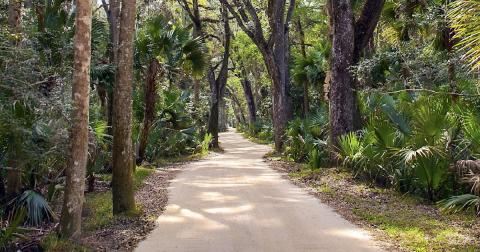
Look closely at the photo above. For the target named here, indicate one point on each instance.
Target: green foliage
(207, 139)
(172, 45)
(464, 16)
(173, 133)
(33, 204)
(460, 203)
(12, 230)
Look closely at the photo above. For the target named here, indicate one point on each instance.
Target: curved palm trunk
(149, 112)
(71, 219)
(123, 163)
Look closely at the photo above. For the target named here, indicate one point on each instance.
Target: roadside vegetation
(95, 93)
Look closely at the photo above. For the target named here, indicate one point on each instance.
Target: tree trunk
(342, 97)
(214, 103)
(349, 41)
(15, 18)
(303, 50)
(196, 93)
(217, 85)
(281, 109)
(247, 90)
(112, 10)
(239, 113)
(149, 112)
(123, 165)
(2, 186)
(222, 114)
(14, 174)
(71, 219)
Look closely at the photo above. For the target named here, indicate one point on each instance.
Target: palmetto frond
(464, 17)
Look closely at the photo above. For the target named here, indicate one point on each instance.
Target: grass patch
(99, 208)
(402, 220)
(163, 161)
(53, 243)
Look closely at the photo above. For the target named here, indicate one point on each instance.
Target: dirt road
(234, 202)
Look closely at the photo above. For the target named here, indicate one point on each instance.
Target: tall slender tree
(214, 80)
(123, 157)
(218, 82)
(71, 219)
(14, 175)
(112, 10)
(275, 52)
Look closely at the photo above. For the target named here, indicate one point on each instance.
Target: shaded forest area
(95, 94)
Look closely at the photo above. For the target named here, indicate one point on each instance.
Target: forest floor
(407, 223)
(233, 201)
(104, 232)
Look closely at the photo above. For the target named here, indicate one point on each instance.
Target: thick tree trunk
(123, 165)
(71, 219)
(149, 111)
(214, 103)
(349, 41)
(342, 97)
(281, 109)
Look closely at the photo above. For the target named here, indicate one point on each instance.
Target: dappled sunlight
(216, 197)
(174, 214)
(282, 199)
(350, 233)
(229, 210)
(234, 200)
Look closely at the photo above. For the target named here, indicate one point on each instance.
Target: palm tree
(166, 48)
(309, 70)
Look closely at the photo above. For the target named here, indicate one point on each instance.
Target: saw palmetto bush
(407, 145)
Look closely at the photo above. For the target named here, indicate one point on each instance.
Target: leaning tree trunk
(342, 97)
(123, 165)
(71, 219)
(149, 112)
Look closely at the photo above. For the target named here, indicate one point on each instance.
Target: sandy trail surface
(234, 201)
